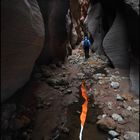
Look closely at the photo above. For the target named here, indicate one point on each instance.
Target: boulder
(22, 38)
(106, 124)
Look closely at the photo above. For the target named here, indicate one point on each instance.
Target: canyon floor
(48, 107)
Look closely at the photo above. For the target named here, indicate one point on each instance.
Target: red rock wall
(79, 12)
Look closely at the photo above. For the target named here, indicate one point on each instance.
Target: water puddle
(90, 130)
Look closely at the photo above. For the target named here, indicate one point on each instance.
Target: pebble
(109, 105)
(69, 91)
(76, 101)
(131, 135)
(117, 117)
(104, 115)
(136, 101)
(78, 112)
(119, 98)
(135, 109)
(113, 133)
(129, 108)
(117, 72)
(115, 85)
(99, 117)
(115, 139)
(80, 75)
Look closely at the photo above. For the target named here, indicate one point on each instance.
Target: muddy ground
(49, 106)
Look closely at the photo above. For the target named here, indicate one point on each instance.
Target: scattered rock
(115, 139)
(104, 115)
(48, 104)
(57, 81)
(117, 117)
(96, 93)
(115, 85)
(131, 135)
(136, 101)
(113, 133)
(69, 91)
(127, 96)
(80, 75)
(62, 88)
(135, 110)
(129, 108)
(126, 113)
(106, 124)
(117, 72)
(109, 105)
(119, 98)
(78, 112)
(63, 67)
(125, 105)
(99, 117)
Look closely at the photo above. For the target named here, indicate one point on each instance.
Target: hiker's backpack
(86, 43)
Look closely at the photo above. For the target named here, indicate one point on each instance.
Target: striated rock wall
(116, 43)
(119, 33)
(93, 22)
(22, 37)
(54, 14)
(78, 14)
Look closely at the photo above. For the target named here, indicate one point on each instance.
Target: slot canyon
(43, 68)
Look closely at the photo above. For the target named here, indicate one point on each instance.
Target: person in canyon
(86, 45)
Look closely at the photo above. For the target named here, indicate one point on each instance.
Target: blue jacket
(87, 40)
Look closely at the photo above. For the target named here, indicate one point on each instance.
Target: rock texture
(134, 4)
(93, 22)
(22, 37)
(78, 17)
(116, 43)
(114, 28)
(134, 76)
(54, 14)
(131, 136)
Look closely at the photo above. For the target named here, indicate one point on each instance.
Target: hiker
(86, 44)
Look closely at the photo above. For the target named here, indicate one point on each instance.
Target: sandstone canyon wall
(22, 37)
(114, 27)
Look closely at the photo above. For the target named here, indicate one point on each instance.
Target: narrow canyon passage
(50, 105)
(51, 89)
